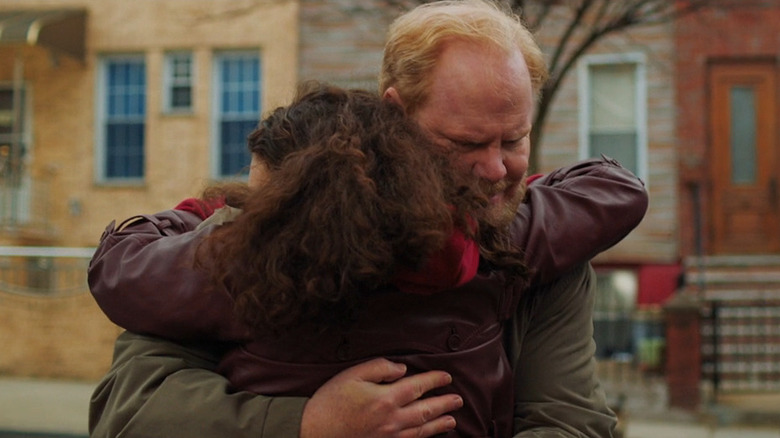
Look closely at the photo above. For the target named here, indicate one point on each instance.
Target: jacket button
(454, 341)
(342, 352)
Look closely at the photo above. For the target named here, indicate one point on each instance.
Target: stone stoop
(733, 277)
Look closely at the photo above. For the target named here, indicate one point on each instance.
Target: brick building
(728, 79)
(110, 109)
(727, 115)
(140, 114)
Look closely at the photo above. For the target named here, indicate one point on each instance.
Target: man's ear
(392, 95)
(258, 172)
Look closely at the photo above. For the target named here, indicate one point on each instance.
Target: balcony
(44, 271)
(24, 212)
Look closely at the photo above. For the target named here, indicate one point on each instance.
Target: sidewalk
(32, 406)
(658, 428)
(44, 406)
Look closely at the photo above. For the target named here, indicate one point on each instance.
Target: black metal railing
(741, 345)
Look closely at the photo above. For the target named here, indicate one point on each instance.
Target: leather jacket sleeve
(157, 388)
(551, 348)
(574, 213)
(142, 281)
(142, 277)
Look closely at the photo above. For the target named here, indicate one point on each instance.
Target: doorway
(743, 158)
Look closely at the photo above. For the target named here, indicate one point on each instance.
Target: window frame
(170, 81)
(640, 71)
(613, 320)
(217, 113)
(101, 118)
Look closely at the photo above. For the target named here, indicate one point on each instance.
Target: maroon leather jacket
(459, 331)
(145, 283)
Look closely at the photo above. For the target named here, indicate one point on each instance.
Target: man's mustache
(492, 189)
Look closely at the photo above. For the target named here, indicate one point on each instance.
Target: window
(613, 110)
(121, 109)
(236, 110)
(13, 146)
(15, 191)
(178, 82)
(744, 138)
(616, 297)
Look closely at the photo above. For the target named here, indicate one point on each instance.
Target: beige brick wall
(177, 146)
(656, 238)
(54, 337)
(68, 336)
(342, 42)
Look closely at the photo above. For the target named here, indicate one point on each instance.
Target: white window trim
(640, 60)
(168, 82)
(216, 87)
(100, 119)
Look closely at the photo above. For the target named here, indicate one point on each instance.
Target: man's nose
(490, 164)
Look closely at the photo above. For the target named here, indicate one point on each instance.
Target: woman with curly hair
(362, 202)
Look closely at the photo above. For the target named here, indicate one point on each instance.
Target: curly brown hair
(355, 191)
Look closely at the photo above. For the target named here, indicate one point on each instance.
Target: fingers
(404, 390)
(430, 413)
(374, 399)
(409, 389)
(375, 371)
(440, 425)
(428, 417)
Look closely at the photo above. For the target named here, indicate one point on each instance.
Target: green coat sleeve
(557, 393)
(161, 389)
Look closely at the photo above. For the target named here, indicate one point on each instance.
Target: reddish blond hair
(416, 39)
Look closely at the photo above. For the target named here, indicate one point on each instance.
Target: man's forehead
(478, 132)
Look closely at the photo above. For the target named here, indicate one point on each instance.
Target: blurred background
(111, 109)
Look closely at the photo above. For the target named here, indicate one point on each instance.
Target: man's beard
(501, 216)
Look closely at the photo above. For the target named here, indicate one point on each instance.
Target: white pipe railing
(46, 251)
(44, 270)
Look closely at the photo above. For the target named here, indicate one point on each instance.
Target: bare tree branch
(533, 14)
(588, 22)
(575, 22)
(236, 11)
